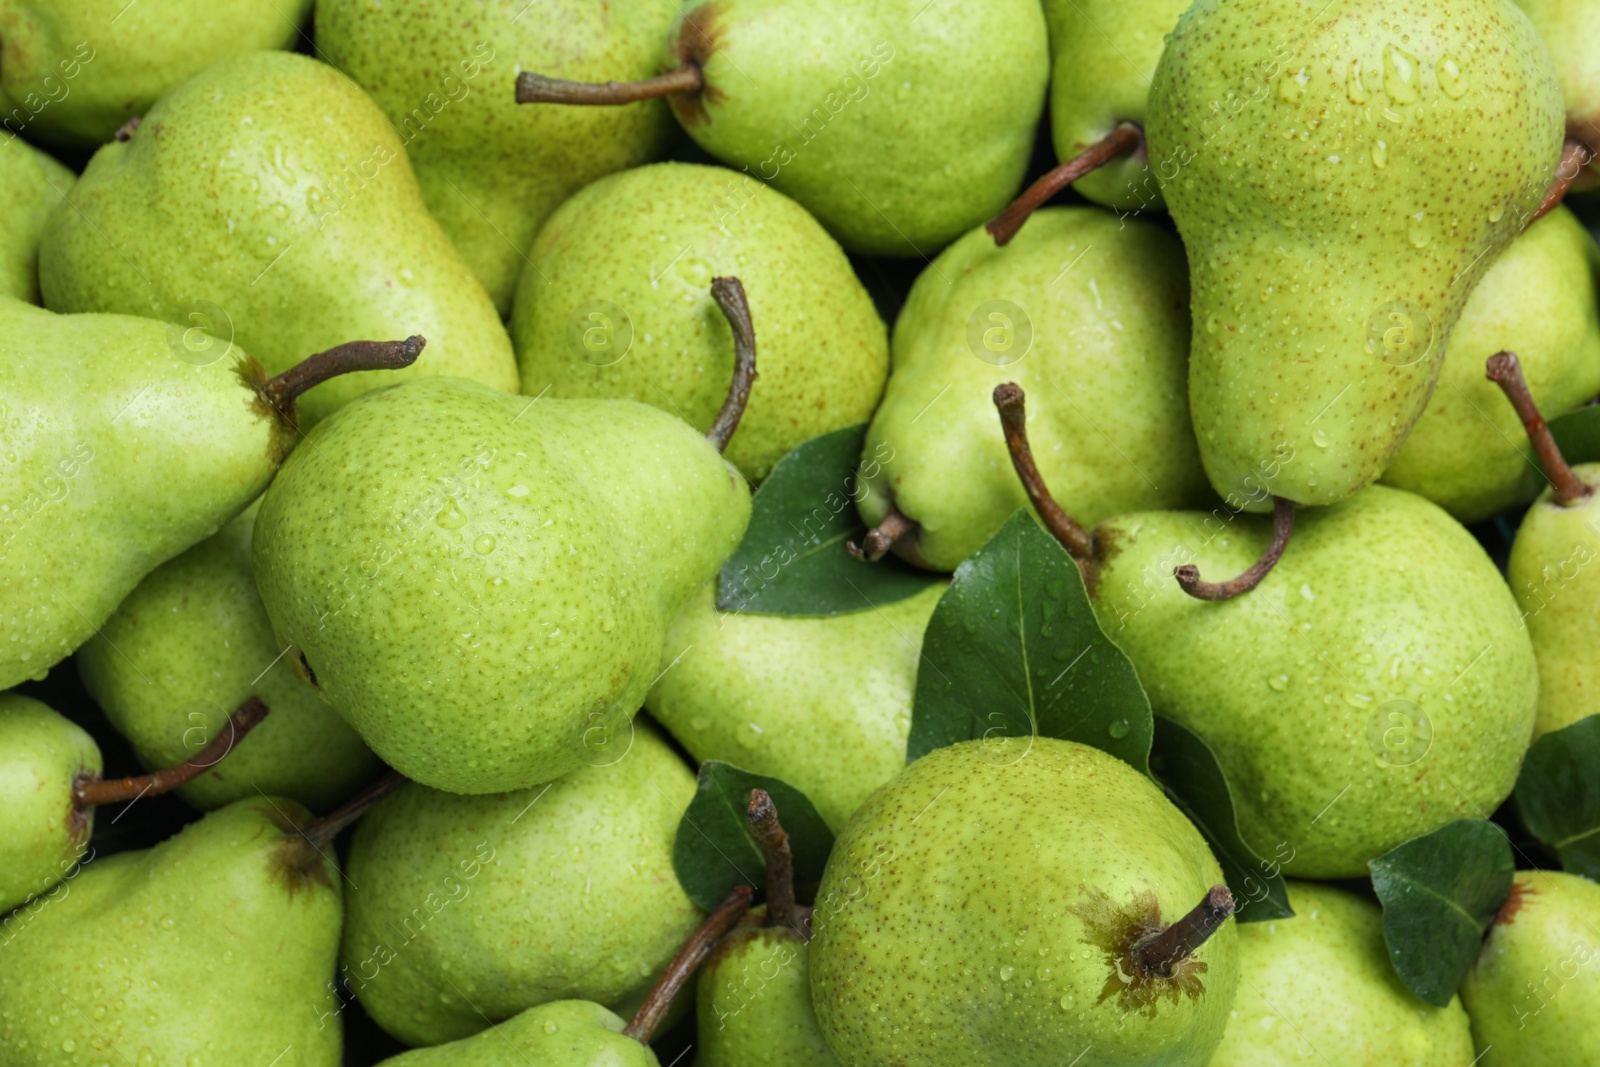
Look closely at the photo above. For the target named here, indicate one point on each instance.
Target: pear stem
(283, 391)
(1004, 226)
(1188, 575)
(648, 1018)
(1161, 953)
(537, 89)
(125, 131)
(730, 297)
(1011, 402)
(762, 818)
(89, 791)
(1575, 155)
(876, 544)
(327, 828)
(1505, 370)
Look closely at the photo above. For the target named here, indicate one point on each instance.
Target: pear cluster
(417, 523)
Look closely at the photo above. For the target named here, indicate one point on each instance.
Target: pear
(474, 908)
(614, 305)
(1318, 987)
(1013, 904)
(296, 225)
(900, 125)
(72, 72)
(115, 417)
(823, 704)
(30, 184)
(1329, 270)
(1569, 27)
(193, 642)
(490, 171)
(563, 1033)
(1532, 994)
(1467, 453)
(1090, 310)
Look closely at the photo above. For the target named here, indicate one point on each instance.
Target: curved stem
(762, 818)
(876, 544)
(89, 791)
(1125, 138)
(537, 89)
(1575, 155)
(1282, 527)
(729, 295)
(282, 392)
(125, 131)
(1505, 370)
(1160, 953)
(693, 953)
(327, 828)
(1011, 401)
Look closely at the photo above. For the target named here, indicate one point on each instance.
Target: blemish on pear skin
(1515, 902)
(1116, 930)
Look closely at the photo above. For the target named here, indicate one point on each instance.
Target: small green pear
(1569, 28)
(1319, 988)
(42, 756)
(1533, 992)
(822, 703)
(192, 643)
(1467, 452)
(268, 202)
(73, 71)
(492, 171)
(563, 1033)
(1087, 310)
(1019, 904)
(31, 182)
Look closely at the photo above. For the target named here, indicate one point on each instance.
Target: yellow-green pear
(31, 182)
(562, 1033)
(42, 756)
(1568, 28)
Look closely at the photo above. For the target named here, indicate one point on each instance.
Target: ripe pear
(1329, 269)
(563, 1033)
(824, 704)
(213, 947)
(474, 908)
(754, 1001)
(1569, 28)
(42, 755)
(1319, 988)
(1090, 312)
(1010, 904)
(30, 184)
(1533, 992)
(192, 643)
(1467, 452)
(73, 71)
(491, 171)
(614, 305)
(267, 201)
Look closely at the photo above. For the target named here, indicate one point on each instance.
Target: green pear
(215, 946)
(491, 171)
(1089, 309)
(613, 305)
(296, 225)
(473, 908)
(1319, 988)
(73, 71)
(192, 643)
(1569, 28)
(563, 1033)
(1009, 904)
(824, 704)
(42, 756)
(754, 1001)
(899, 124)
(480, 584)
(1532, 994)
(1467, 452)
(30, 184)
(1301, 157)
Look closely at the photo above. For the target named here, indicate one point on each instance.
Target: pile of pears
(385, 387)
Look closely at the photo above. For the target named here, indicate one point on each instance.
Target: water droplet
(1353, 87)
(1292, 86)
(68, 1045)
(1066, 1002)
(1119, 729)
(1043, 973)
(1006, 973)
(1380, 153)
(699, 722)
(1320, 438)
(451, 517)
(1279, 682)
(1419, 230)
(1452, 79)
(750, 736)
(903, 92)
(483, 545)
(1358, 700)
(517, 492)
(1497, 213)
(1400, 75)
(551, 1028)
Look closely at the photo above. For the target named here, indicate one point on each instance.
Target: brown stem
(1282, 527)
(327, 828)
(282, 392)
(1011, 401)
(876, 544)
(1160, 953)
(1575, 156)
(125, 131)
(1505, 370)
(729, 295)
(694, 951)
(537, 89)
(89, 791)
(762, 818)
(1004, 226)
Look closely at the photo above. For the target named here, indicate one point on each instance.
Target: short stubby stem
(1505, 370)
(688, 960)
(90, 792)
(1161, 953)
(1125, 138)
(1011, 402)
(730, 297)
(537, 89)
(762, 817)
(1188, 576)
(882, 537)
(1575, 155)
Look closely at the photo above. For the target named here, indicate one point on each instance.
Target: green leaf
(1558, 794)
(1439, 893)
(1578, 434)
(1189, 772)
(793, 560)
(714, 851)
(1013, 651)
